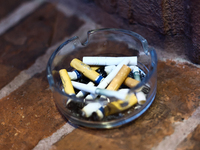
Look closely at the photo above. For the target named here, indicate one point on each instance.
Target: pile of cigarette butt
(99, 80)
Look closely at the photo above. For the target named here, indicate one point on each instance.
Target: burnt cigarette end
(146, 89)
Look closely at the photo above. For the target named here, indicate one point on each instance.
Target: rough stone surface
(31, 38)
(8, 6)
(174, 102)
(168, 35)
(163, 18)
(192, 142)
(28, 115)
(194, 52)
(137, 12)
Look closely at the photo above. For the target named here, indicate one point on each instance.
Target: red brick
(7, 74)
(28, 114)
(177, 98)
(24, 43)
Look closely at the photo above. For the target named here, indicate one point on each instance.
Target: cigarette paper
(86, 70)
(104, 61)
(67, 85)
(125, 90)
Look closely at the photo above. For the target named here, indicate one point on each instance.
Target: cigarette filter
(120, 105)
(119, 78)
(130, 82)
(86, 70)
(103, 61)
(66, 82)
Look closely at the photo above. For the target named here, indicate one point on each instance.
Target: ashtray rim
(120, 121)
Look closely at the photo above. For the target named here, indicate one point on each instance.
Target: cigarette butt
(136, 73)
(120, 105)
(130, 82)
(83, 93)
(141, 97)
(119, 78)
(90, 108)
(108, 60)
(99, 114)
(67, 85)
(86, 70)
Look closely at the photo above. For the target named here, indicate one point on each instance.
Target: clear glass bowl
(103, 42)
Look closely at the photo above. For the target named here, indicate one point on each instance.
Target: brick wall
(31, 30)
(174, 20)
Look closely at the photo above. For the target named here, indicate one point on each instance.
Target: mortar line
(40, 64)
(37, 67)
(46, 144)
(67, 11)
(18, 14)
(181, 131)
(180, 59)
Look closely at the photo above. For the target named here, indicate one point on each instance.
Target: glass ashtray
(108, 42)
